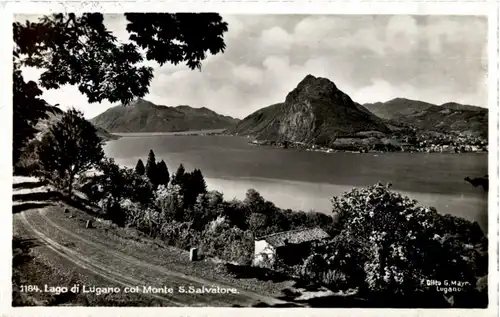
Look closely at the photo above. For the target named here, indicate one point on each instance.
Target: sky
(372, 58)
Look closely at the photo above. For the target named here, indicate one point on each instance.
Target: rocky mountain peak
(313, 88)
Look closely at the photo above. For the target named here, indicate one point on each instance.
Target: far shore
(170, 133)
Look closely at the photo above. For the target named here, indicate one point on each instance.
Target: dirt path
(96, 254)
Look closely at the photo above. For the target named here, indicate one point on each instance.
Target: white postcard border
(488, 8)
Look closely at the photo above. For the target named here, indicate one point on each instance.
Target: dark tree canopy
(151, 168)
(193, 185)
(139, 168)
(28, 109)
(163, 175)
(70, 147)
(179, 176)
(79, 50)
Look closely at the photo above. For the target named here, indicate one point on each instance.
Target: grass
(136, 244)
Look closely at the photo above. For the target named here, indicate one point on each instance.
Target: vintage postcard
(232, 156)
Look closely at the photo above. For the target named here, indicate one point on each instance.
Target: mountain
(55, 114)
(315, 112)
(144, 116)
(447, 118)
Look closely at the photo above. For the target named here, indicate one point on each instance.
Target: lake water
(307, 180)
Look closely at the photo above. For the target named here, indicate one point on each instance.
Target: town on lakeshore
(427, 143)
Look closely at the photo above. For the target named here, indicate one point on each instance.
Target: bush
(28, 163)
(170, 202)
(208, 206)
(180, 235)
(400, 244)
(228, 243)
(115, 187)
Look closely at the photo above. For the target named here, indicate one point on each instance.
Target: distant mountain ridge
(144, 116)
(449, 117)
(315, 112)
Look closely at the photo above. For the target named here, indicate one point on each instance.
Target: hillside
(315, 112)
(144, 116)
(54, 114)
(448, 118)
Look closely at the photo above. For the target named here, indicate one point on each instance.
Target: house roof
(295, 237)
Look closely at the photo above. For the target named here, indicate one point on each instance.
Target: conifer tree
(139, 168)
(179, 177)
(162, 173)
(151, 168)
(194, 184)
(198, 182)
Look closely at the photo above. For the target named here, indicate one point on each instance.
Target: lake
(307, 180)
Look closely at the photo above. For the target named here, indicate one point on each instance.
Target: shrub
(28, 163)
(208, 206)
(228, 243)
(170, 202)
(399, 243)
(115, 186)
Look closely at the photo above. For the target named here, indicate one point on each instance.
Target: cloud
(248, 74)
(275, 40)
(371, 58)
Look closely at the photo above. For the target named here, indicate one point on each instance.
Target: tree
(169, 200)
(80, 50)
(255, 201)
(163, 175)
(70, 147)
(179, 176)
(151, 170)
(194, 185)
(139, 168)
(401, 243)
(110, 188)
(198, 182)
(28, 109)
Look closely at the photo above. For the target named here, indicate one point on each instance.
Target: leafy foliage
(79, 50)
(70, 147)
(176, 38)
(170, 202)
(28, 110)
(398, 244)
(114, 184)
(227, 242)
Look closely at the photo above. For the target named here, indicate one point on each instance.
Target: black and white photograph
(204, 159)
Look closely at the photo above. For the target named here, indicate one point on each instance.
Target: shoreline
(389, 148)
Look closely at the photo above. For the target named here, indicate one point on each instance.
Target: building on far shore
(291, 247)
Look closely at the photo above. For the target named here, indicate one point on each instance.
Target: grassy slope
(144, 116)
(449, 117)
(41, 265)
(259, 121)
